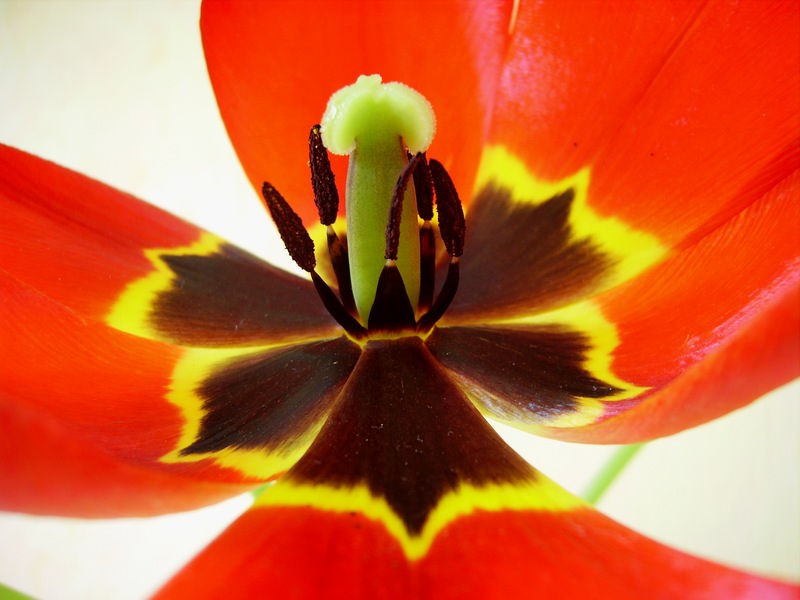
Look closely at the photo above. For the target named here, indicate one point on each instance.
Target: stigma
(385, 267)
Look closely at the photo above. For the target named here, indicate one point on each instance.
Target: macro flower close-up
(575, 219)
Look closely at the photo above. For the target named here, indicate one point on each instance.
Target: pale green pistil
(377, 125)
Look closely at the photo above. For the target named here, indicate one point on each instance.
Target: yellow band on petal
(260, 464)
(631, 251)
(587, 318)
(540, 494)
(133, 309)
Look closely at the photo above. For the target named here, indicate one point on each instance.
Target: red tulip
(629, 271)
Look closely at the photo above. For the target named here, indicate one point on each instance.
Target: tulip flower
(627, 268)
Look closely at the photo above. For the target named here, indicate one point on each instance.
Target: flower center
(386, 268)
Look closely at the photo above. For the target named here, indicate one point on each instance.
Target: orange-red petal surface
(760, 356)
(76, 240)
(108, 384)
(676, 313)
(274, 65)
(100, 393)
(83, 244)
(685, 112)
(302, 553)
(48, 470)
(638, 337)
(712, 328)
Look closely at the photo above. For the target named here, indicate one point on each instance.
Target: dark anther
(341, 267)
(423, 184)
(396, 208)
(392, 310)
(295, 237)
(301, 248)
(326, 196)
(452, 226)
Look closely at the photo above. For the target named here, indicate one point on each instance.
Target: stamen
(301, 248)
(443, 300)
(335, 308)
(392, 310)
(295, 237)
(379, 126)
(423, 185)
(452, 228)
(452, 225)
(396, 208)
(376, 124)
(341, 267)
(326, 196)
(427, 265)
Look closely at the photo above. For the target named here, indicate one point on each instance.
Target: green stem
(611, 470)
(7, 593)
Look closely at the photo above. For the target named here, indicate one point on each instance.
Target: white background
(118, 90)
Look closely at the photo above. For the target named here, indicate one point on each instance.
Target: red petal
(712, 328)
(85, 419)
(685, 112)
(761, 356)
(274, 65)
(305, 553)
(49, 470)
(76, 240)
(83, 244)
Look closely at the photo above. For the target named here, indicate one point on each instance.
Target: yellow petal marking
(131, 314)
(131, 311)
(587, 318)
(538, 494)
(194, 368)
(631, 251)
